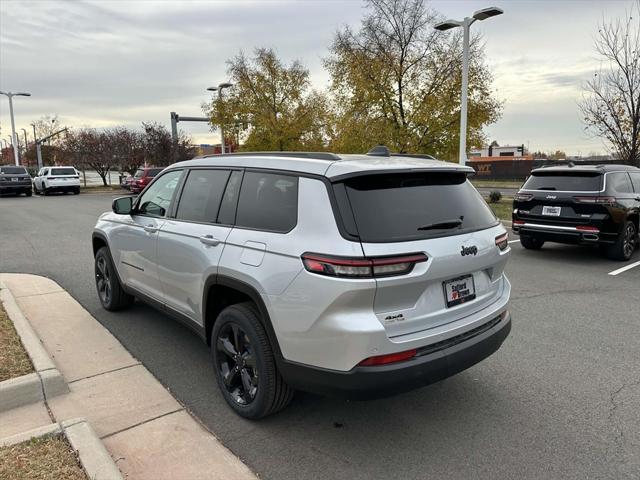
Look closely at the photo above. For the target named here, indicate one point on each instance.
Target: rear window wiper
(447, 224)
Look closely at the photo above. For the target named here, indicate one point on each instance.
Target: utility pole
(14, 138)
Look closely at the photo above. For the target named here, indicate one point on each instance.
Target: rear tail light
(596, 200)
(523, 197)
(502, 241)
(587, 228)
(389, 358)
(518, 222)
(361, 267)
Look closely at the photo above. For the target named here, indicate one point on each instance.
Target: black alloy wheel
(103, 280)
(237, 363)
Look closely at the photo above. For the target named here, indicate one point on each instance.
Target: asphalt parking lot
(560, 399)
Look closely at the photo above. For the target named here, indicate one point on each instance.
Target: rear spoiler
(468, 171)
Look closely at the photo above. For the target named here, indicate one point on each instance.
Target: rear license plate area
(459, 290)
(551, 211)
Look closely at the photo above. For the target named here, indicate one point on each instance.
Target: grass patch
(503, 208)
(14, 361)
(487, 183)
(48, 458)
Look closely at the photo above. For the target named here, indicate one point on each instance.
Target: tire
(531, 243)
(35, 189)
(76, 191)
(626, 243)
(239, 343)
(28, 193)
(45, 191)
(110, 292)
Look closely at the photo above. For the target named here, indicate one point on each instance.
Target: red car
(143, 177)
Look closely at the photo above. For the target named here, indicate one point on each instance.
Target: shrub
(495, 196)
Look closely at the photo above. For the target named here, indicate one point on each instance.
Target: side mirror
(122, 205)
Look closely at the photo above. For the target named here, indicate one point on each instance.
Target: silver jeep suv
(353, 275)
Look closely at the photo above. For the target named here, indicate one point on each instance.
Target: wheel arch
(221, 291)
(98, 240)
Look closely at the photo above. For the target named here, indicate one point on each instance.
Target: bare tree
(611, 105)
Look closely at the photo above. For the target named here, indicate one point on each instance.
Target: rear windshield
(153, 172)
(411, 206)
(63, 171)
(138, 173)
(13, 170)
(564, 181)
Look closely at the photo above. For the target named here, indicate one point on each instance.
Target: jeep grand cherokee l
(587, 205)
(352, 275)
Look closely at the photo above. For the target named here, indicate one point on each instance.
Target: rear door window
(201, 195)
(268, 202)
(565, 181)
(415, 205)
(619, 182)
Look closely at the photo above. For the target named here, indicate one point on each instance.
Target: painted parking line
(624, 269)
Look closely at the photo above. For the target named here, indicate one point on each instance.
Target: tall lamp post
(14, 140)
(219, 90)
(466, 26)
(26, 143)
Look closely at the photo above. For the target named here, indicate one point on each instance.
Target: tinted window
(157, 198)
(227, 215)
(201, 195)
(152, 172)
(138, 173)
(63, 171)
(268, 202)
(635, 178)
(13, 170)
(411, 206)
(565, 181)
(619, 182)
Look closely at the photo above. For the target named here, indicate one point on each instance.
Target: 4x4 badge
(473, 250)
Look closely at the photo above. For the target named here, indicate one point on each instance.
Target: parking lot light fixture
(219, 89)
(479, 15)
(14, 139)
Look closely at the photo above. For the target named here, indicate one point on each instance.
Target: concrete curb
(96, 461)
(46, 382)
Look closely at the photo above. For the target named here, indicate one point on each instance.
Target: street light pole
(14, 140)
(26, 142)
(219, 90)
(466, 28)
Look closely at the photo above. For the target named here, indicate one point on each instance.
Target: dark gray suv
(14, 179)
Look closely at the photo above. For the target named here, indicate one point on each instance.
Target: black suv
(14, 179)
(587, 205)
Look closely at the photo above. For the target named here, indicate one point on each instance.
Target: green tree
(397, 81)
(271, 106)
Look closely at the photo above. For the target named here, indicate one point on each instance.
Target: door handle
(209, 240)
(151, 228)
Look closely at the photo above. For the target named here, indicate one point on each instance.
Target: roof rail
(415, 155)
(313, 155)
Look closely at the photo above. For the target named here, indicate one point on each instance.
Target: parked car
(586, 205)
(14, 179)
(142, 178)
(57, 179)
(348, 275)
(127, 181)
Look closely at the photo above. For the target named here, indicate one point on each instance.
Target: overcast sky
(114, 62)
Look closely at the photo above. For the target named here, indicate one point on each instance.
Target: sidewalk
(146, 431)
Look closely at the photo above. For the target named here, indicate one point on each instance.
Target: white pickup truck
(57, 179)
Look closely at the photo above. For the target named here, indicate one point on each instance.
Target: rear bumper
(433, 363)
(563, 234)
(7, 187)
